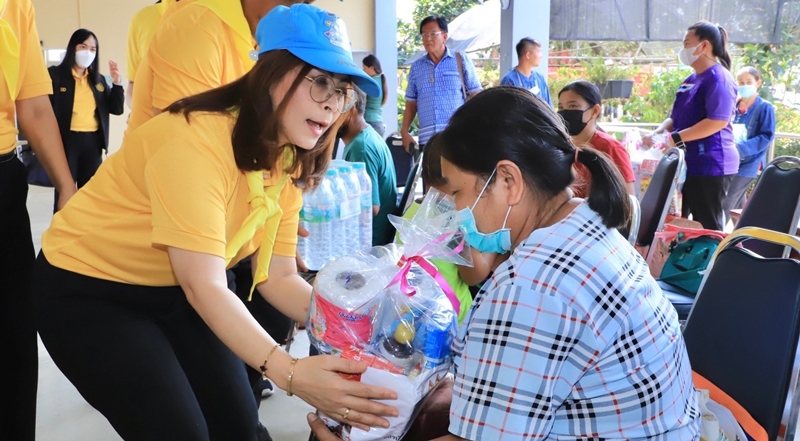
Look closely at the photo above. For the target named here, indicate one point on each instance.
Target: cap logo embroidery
(100, 87)
(337, 32)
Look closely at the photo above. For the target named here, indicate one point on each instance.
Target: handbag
(36, 173)
(688, 261)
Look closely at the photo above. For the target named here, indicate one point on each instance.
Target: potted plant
(614, 81)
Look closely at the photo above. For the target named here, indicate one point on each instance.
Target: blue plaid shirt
(437, 91)
(573, 339)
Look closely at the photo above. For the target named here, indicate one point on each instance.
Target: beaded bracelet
(263, 367)
(291, 374)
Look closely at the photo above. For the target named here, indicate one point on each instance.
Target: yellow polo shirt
(32, 79)
(84, 117)
(141, 30)
(200, 46)
(172, 183)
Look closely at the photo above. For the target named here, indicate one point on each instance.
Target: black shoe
(263, 433)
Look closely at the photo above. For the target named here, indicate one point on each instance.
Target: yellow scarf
(9, 53)
(231, 13)
(266, 212)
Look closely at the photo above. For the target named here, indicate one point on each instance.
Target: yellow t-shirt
(171, 184)
(84, 106)
(141, 30)
(200, 46)
(33, 79)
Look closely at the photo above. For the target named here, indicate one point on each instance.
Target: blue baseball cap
(315, 36)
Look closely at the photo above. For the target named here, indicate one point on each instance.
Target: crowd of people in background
(144, 275)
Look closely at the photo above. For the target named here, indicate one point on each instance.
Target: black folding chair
(656, 200)
(774, 204)
(742, 332)
(406, 197)
(631, 230)
(403, 162)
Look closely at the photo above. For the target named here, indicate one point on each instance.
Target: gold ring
(346, 412)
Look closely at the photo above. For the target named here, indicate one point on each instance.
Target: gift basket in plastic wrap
(645, 160)
(391, 309)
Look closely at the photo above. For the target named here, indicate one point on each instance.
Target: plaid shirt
(437, 91)
(572, 338)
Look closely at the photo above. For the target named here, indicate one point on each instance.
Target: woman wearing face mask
(82, 101)
(134, 304)
(573, 320)
(757, 119)
(373, 115)
(579, 103)
(701, 123)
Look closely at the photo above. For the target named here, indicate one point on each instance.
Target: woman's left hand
(114, 68)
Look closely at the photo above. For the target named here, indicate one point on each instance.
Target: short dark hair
(587, 90)
(432, 163)
(525, 44)
(752, 71)
(509, 123)
(434, 18)
(257, 119)
(361, 101)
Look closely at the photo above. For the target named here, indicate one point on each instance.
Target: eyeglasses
(324, 87)
(427, 35)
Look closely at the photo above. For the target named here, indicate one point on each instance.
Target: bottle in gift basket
(338, 233)
(350, 206)
(319, 211)
(365, 218)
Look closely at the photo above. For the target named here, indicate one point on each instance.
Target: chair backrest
(403, 162)
(407, 197)
(631, 230)
(656, 200)
(742, 332)
(774, 204)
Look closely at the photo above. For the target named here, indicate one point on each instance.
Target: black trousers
(144, 358)
(84, 152)
(19, 361)
(702, 198)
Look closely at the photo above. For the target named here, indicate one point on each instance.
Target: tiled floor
(63, 415)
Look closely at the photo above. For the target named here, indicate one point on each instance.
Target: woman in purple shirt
(700, 123)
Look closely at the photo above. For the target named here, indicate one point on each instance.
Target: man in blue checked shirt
(529, 52)
(435, 85)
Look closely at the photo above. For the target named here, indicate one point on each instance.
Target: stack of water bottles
(337, 215)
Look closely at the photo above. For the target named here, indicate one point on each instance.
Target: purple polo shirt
(711, 94)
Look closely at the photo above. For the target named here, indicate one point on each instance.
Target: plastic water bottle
(365, 218)
(303, 242)
(319, 210)
(350, 206)
(338, 234)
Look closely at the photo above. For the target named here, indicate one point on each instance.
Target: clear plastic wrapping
(391, 309)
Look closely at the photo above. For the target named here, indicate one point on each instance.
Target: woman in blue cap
(135, 308)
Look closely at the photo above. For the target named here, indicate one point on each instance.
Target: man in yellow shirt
(24, 86)
(140, 32)
(198, 47)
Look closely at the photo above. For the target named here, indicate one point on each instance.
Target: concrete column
(524, 18)
(386, 51)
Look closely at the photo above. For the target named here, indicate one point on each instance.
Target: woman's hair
(508, 123)
(68, 62)
(717, 36)
(588, 91)
(752, 71)
(432, 163)
(258, 120)
(373, 62)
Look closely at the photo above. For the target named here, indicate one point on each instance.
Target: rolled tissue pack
(391, 309)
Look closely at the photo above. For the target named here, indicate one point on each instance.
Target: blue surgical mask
(498, 242)
(747, 91)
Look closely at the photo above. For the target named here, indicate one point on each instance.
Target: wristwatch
(676, 139)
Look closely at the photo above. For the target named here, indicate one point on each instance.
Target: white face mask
(686, 55)
(84, 58)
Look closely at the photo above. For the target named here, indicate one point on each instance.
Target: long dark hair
(373, 62)
(68, 62)
(255, 132)
(509, 123)
(717, 36)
